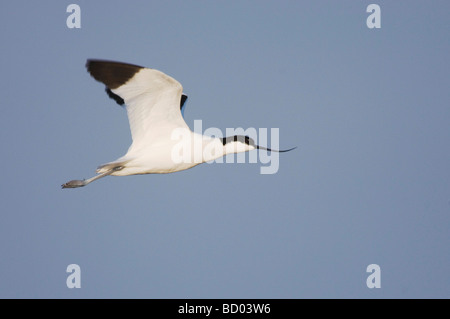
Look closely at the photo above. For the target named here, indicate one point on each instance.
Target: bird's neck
(207, 148)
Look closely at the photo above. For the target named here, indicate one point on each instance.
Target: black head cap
(238, 138)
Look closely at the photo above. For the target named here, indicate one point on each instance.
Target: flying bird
(162, 141)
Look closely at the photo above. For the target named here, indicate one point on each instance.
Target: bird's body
(162, 141)
(158, 157)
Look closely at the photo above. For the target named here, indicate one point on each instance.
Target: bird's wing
(153, 99)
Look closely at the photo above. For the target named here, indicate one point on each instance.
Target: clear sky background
(369, 183)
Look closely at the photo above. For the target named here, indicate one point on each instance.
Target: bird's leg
(80, 183)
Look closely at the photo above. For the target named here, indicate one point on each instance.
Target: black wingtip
(111, 73)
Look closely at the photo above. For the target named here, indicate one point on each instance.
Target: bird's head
(238, 144)
(243, 143)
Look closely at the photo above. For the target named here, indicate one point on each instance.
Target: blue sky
(369, 182)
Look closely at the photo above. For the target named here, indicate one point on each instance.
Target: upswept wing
(152, 98)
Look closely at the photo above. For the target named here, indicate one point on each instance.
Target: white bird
(155, 102)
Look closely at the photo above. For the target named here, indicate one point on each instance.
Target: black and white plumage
(162, 141)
